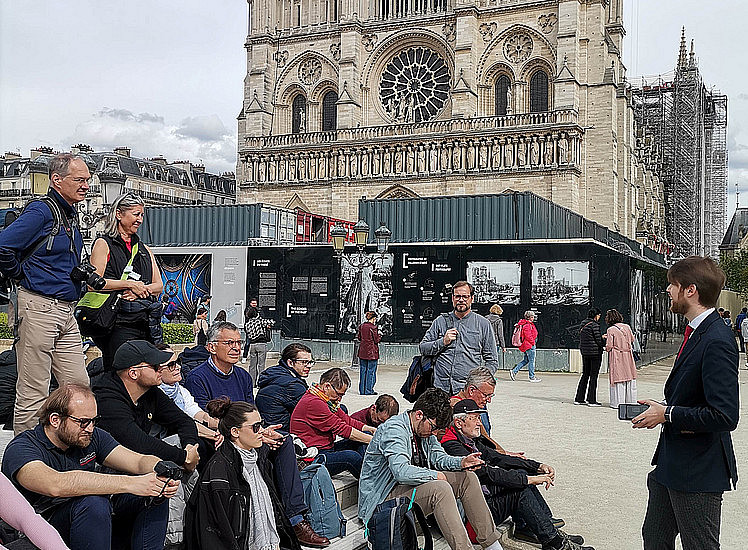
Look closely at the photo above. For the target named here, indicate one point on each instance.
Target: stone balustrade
(516, 143)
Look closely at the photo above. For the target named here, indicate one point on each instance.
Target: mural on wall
(495, 282)
(186, 279)
(371, 285)
(560, 283)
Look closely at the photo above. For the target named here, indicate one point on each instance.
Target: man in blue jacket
(48, 337)
(694, 460)
(282, 385)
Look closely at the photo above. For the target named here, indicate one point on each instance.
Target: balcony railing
(454, 126)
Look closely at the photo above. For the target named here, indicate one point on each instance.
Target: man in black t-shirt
(54, 467)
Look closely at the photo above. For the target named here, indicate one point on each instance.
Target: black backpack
(392, 526)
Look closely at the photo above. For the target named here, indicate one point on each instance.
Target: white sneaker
(512, 375)
(536, 379)
(580, 402)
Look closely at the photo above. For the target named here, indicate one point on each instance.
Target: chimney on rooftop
(124, 151)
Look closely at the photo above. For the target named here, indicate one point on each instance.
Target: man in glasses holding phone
(54, 467)
(460, 341)
(130, 403)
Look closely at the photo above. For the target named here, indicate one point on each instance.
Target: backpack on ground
(393, 525)
(517, 336)
(325, 514)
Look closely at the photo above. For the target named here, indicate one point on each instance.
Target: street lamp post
(359, 261)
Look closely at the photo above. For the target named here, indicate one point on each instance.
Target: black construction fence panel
(298, 287)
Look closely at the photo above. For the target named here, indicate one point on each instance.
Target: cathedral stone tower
(388, 98)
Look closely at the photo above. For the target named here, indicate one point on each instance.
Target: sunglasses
(82, 422)
(256, 427)
(173, 366)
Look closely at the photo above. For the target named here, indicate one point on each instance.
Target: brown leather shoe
(307, 536)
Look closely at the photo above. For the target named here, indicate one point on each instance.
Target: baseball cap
(467, 406)
(135, 352)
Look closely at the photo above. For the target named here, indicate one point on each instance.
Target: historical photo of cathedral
(560, 283)
(495, 282)
(373, 287)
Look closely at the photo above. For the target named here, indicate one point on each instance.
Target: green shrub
(5, 330)
(176, 333)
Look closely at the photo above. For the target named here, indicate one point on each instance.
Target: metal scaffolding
(681, 128)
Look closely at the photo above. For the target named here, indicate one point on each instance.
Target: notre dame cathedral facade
(392, 98)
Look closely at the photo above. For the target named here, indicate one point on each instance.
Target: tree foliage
(736, 269)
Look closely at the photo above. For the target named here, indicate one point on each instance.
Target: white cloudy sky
(165, 76)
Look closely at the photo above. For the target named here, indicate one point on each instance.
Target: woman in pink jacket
(529, 337)
(621, 365)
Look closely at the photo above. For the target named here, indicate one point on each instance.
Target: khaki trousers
(440, 498)
(48, 342)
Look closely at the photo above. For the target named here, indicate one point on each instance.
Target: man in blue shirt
(55, 467)
(48, 337)
(219, 376)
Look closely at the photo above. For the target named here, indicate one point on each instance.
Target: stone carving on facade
(302, 167)
(509, 94)
(313, 163)
(335, 51)
(508, 154)
(365, 163)
(518, 47)
(322, 166)
(563, 147)
(547, 22)
(534, 152)
(302, 119)
(398, 161)
(341, 165)
(496, 156)
(415, 85)
(352, 162)
(487, 30)
(456, 156)
(421, 159)
(281, 57)
(310, 70)
(433, 158)
(449, 32)
(410, 160)
(282, 170)
(271, 169)
(444, 162)
(521, 153)
(375, 160)
(470, 156)
(548, 152)
(387, 164)
(369, 40)
(483, 156)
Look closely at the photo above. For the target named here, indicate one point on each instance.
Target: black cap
(135, 352)
(467, 406)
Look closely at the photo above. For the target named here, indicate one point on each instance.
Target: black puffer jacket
(217, 515)
(590, 338)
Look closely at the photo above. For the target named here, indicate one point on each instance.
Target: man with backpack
(459, 341)
(39, 250)
(404, 459)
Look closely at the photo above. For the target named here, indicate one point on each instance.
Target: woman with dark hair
(130, 269)
(591, 348)
(621, 366)
(235, 504)
(368, 354)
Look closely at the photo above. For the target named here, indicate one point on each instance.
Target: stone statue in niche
(433, 158)
(354, 165)
(387, 162)
(534, 152)
(496, 157)
(313, 167)
(398, 162)
(271, 169)
(470, 156)
(483, 155)
(421, 159)
(365, 163)
(322, 166)
(509, 99)
(444, 157)
(282, 169)
(456, 156)
(563, 147)
(261, 171)
(508, 154)
(302, 119)
(302, 167)
(548, 152)
(410, 158)
(375, 160)
(521, 153)
(292, 169)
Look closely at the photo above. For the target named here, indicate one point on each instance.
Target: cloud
(201, 138)
(742, 96)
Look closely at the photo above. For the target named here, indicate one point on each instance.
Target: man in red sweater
(384, 407)
(318, 419)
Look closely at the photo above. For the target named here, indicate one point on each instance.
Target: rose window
(415, 85)
(517, 48)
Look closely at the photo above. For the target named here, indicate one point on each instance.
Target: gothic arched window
(539, 92)
(502, 101)
(329, 111)
(298, 115)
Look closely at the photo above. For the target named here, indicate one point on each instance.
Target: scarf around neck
(316, 390)
(173, 393)
(263, 534)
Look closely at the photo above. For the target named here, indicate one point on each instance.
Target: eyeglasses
(173, 366)
(340, 395)
(80, 180)
(304, 362)
(156, 368)
(256, 427)
(459, 297)
(432, 424)
(230, 343)
(486, 395)
(83, 422)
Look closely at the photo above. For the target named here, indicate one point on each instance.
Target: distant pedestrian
(497, 324)
(169, 309)
(368, 354)
(205, 302)
(200, 327)
(726, 318)
(621, 365)
(220, 316)
(744, 334)
(529, 336)
(257, 333)
(591, 347)
(739, 325)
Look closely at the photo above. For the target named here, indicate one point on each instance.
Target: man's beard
(678, 305)
(462, 307)
(73, 438)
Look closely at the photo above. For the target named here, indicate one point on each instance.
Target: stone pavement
(601, 463)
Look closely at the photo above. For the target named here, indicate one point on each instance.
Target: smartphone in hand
(629, 411)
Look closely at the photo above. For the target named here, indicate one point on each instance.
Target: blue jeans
(529, 360)
(290, 489)
(345, 455)
(368, 376)
(85, 523)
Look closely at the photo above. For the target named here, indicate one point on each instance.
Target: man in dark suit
(694, 461)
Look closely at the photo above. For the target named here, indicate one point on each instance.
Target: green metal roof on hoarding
(505, 216)
(203, 225)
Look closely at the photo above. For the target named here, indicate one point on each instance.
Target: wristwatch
(668, 411)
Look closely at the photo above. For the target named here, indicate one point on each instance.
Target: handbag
(96, 312)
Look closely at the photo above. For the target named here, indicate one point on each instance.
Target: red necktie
(689, 330)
